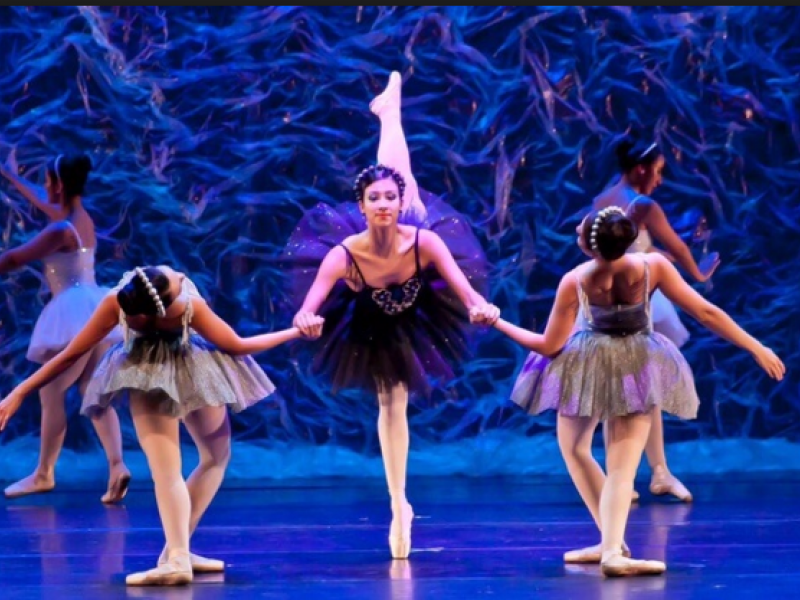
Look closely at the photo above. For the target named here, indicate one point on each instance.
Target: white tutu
(666, 320)
(63, 318)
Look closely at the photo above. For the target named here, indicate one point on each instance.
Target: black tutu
(412, 333)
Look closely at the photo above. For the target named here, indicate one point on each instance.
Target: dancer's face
(650, 176)
(381, 204)
(53, 189)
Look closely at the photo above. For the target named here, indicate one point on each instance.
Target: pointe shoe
(117, 488)
(590, 555)
(400, 541)
(29, 485)
(664, 483)
(176, 571)
(616, 565)
(200, 564)
(389, 98)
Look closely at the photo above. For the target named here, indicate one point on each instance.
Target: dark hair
(135, 299)
(375, 173)
(615, 232)
(72, 172)
(633, 151)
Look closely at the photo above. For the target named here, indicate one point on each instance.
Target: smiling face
(381, 203)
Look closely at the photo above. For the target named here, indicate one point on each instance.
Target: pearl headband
(602, 216)
(152, 291)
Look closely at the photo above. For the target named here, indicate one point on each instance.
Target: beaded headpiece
(372, 171)
(602, 215)
(152, 291)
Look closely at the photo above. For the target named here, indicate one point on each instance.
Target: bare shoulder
(58, 230)
(572, 277)
(427, 238)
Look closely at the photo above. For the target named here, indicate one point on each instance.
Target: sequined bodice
(64, 270)
(643, 242)
(619, 319)
(396, 298)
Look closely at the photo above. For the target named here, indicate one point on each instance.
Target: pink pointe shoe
(176, 571)
(400, 532)
(389, 98)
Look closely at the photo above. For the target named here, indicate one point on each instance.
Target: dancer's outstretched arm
(35, 194)
(100, 324)
(559, 327)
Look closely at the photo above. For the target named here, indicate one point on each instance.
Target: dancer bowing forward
(178, 361)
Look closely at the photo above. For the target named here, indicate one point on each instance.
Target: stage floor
(472, 539)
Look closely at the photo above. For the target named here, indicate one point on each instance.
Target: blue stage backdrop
(212, 130)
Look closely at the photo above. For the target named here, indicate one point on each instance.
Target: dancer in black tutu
(395, 297)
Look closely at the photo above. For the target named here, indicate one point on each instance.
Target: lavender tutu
(613, 365)
(410, 333)
(178, 370)
(71, 279)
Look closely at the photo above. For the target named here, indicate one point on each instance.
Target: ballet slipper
(200, 564)
(389, 98)
(176, 571)
(118, 485)
(400, 532)
(590, 555)
(32, 484)
(664, 483)
(614, 564)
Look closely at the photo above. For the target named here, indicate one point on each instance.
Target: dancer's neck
(628, 183)
(383, 241)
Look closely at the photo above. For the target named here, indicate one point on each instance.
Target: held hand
(484, 315)
(708, 265)
(309, 324)
(316, 327)
(8, 407)
(770, 362)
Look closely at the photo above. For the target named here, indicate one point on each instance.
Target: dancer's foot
(663, 482)
(400, 529)
(614, 564)
(176, 571)
(389, 98)
(590, 555)
(32, 484)
(118, 482)
(200, 564)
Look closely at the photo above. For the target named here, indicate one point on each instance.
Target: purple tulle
(363, 347)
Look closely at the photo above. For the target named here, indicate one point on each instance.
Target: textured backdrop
(212, 130)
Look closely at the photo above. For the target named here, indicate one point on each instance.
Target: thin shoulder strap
(75, 231)
(583, 300)
(416, 252)
(646, 286)
(352, 259)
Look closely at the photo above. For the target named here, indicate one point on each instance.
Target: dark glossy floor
(473, 539)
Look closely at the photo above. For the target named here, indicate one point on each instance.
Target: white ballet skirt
(665, 318)
(71, 278)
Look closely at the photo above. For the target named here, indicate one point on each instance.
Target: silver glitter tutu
(177, 377)
(601, 375)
